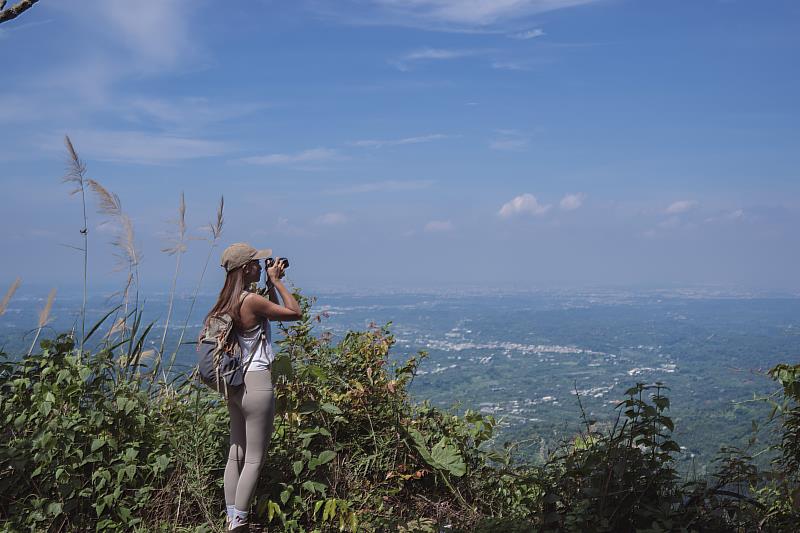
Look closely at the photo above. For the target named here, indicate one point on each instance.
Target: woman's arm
(270, 308)
(264, 308)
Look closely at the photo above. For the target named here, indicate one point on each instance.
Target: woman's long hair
(228, 300)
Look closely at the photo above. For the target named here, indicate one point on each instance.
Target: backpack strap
(244, 295)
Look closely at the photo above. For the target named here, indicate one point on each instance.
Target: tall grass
(76, 175)
(215, 232)
(124, 241)
(177, 248)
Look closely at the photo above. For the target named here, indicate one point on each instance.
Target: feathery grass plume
(44, 314)
(44, 318)
(215, 228)
(111, 206)
(178, 248)
(130, 257)
(10, 294)
(76, 174)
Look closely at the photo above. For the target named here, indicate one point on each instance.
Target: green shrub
(97, 442)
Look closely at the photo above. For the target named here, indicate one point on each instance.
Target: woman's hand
(275, 272)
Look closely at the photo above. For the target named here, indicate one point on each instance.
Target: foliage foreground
(98, 442)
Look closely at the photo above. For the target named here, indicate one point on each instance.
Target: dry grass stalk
(216, 227)
(111, 206)
(76, 168)
(10, 294)
(178, 248)
(76, 174)
(44, 314)
(118, 326)
(44, 317)
(179, 243)
(216, 231)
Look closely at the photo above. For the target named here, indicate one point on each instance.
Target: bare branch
(15, 10)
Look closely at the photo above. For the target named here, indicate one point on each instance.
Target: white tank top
(251, 344)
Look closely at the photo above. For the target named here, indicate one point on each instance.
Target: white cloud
(384, 186)
(446, 15)
(680, 206)
(331, 219)
(372, 143)
(314, 155)
(435, 53)
(429, 54)
(735, 215)
(670, 223)
(509, 140)
(435, 226)
(530, 34)
(523, 204)
(156, 34)
(508, 145)
(187, 113)
(139, 147)
(572, 201)
(508, 65)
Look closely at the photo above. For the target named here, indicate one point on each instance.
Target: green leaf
(330, 510)
(272, 510)
(285, 495)
(447, 457)
(317, 372)
(124, 513)
(54, 509)
(331, 409)
(162, 461)
(97, 444)
(281, 367)
(317, 506)
(670, 446)
(307, 407)
(325, 457)
(314, 486)
(297, 467)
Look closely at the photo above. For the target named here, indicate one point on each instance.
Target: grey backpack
(219, 364)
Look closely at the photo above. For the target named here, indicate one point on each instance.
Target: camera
(282, 261)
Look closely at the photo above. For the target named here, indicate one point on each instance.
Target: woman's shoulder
(249, 315)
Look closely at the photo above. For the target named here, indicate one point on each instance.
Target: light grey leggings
(252, 409)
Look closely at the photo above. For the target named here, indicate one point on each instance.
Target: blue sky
(413, 143)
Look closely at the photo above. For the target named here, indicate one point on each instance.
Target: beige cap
(240, 254)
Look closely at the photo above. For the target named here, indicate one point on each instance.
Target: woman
(252, 405)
